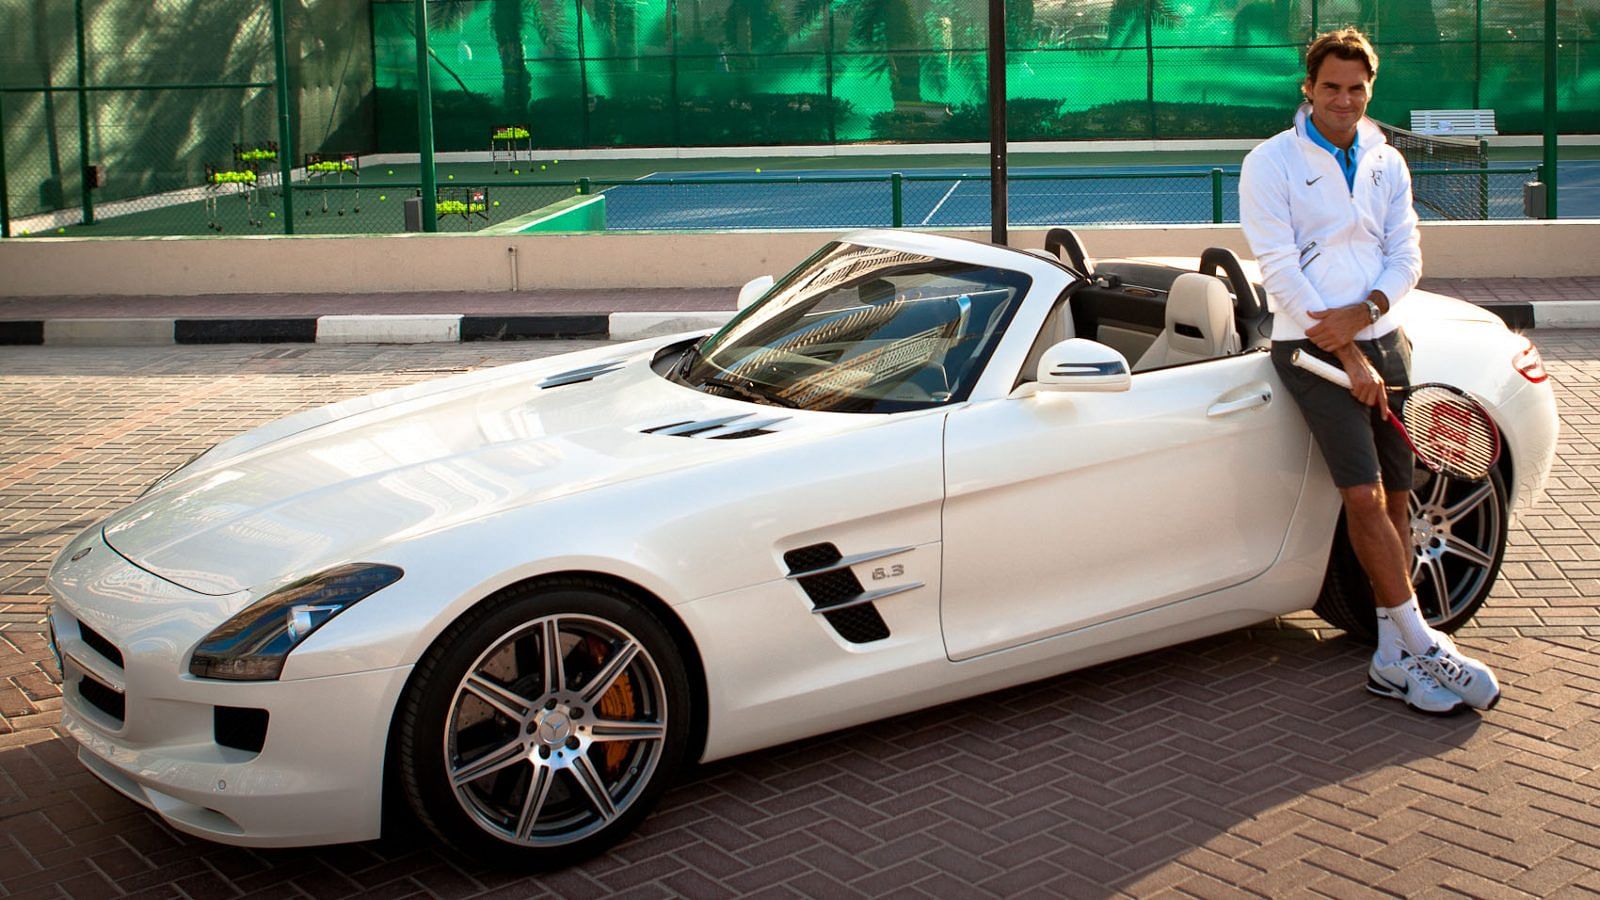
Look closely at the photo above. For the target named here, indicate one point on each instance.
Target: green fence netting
(179, 107)
(603, 73)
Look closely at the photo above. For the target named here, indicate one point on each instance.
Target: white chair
(1199, 324)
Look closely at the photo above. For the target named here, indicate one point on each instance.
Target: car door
(1066, 509)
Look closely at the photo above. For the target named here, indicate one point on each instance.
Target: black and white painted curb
(401, 329)
(423, 329)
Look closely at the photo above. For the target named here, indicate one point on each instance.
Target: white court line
(936, 206)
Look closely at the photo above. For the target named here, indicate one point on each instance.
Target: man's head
(1340, 68)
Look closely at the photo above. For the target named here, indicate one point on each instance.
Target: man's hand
(1337, 327)
(1365, 382)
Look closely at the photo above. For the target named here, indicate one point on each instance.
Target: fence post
(280, 62)
(583, 78)
(833, 127)
(897, 190)
(5, 195)
(585, 186)
(1216, 196)
(83, 118)
(1150, 64)
(1477, 54)
(672, 44)
(430, 178)
(1552, 176)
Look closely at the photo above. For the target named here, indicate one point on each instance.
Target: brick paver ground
(1249, 763)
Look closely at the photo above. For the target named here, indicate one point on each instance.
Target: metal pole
(997, 121)
(897, 208)
(430, 183)
(1150, 64)
(5, 196)
(280, 64)
(1550, 107)
(1477, 54)
(83, 120)
(672, 45)
(583, 78)
(1216, 196)
(827, 57)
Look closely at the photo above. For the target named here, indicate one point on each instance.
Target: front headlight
(253, 644)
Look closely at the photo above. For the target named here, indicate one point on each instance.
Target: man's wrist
(1381, 300)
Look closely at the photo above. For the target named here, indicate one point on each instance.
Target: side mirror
(753, 290)
(1078, 364)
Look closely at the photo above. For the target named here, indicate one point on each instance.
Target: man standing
(1326, 207)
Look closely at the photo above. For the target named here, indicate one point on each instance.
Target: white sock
(1410, 632)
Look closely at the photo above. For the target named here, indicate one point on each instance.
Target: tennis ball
(452, 177)
(391, 171)
(516, 171)
(61, 231)
(555, 162)
(758, 168)
(541, 167)
(382, 197)
(497, 203)
(272, 215)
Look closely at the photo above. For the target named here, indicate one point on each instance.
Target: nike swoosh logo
(1311, 181)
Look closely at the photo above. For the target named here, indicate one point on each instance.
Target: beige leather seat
(1199, 324)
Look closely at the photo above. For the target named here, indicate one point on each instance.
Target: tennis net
(1447, 173)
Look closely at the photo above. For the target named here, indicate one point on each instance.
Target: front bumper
(1531, 427)
(152, 731)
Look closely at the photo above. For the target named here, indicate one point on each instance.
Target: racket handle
(1321, 369)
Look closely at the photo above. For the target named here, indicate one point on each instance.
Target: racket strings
(1452, 431)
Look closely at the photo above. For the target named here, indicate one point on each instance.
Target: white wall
(465, 262)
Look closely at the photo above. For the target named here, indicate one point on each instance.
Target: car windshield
(862, 329)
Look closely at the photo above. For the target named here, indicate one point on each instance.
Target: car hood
(344, 489)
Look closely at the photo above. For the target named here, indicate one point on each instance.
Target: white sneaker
(1462, 675)
(1406, 679)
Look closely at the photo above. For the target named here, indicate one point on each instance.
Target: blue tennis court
(950, 197)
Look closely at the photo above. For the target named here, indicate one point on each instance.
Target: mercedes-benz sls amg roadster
(513, 603)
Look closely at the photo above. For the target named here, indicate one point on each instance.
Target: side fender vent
(816, 568)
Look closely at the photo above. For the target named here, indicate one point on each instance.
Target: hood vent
(742, 425)
(586, 373)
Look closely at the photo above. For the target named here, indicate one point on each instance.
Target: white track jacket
(1321, 245)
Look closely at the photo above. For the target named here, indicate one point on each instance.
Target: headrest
(1200, 314)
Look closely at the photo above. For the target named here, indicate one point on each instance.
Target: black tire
(1465, 548)
(552, 767)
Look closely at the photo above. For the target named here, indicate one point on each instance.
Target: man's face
(1339, 95)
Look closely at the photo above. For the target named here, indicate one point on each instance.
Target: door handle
(1232, 406)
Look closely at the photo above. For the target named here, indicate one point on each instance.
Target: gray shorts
(1358, 442)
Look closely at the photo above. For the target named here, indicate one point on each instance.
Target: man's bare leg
(1375, 535)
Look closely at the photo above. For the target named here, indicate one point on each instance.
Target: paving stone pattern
(1251, 763)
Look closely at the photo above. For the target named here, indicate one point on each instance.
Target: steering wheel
(1058, 239)
(1246, 305)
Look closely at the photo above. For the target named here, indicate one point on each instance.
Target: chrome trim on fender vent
(847, 561)
(867, 597)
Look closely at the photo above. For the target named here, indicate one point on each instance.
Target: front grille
(98, 643)
(241, 728)
(102, 697)
(858, 624)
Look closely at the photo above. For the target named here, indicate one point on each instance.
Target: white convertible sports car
(914, 469)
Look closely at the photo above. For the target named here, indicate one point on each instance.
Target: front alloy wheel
(541, 729)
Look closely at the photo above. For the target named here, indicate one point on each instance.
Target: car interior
(1154, 315)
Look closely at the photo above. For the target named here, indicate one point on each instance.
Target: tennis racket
(1449, 432)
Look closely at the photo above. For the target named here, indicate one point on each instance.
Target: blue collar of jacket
(1345, 158)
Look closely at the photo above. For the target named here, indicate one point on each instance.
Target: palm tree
(887, 26)
(507, 21)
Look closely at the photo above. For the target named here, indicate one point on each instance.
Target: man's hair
(1346, 43)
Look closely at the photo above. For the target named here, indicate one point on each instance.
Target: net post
(1216, 196)
(585, 186)
(897, 191)
(280, 63)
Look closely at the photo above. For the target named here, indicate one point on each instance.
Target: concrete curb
(341, 329)
(411, 329)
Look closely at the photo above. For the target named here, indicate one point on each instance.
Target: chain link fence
(668, 73)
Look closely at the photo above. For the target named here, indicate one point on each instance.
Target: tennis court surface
(1057, 195)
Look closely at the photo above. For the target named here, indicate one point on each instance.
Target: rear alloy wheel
(1458, 539)
(542, 730)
